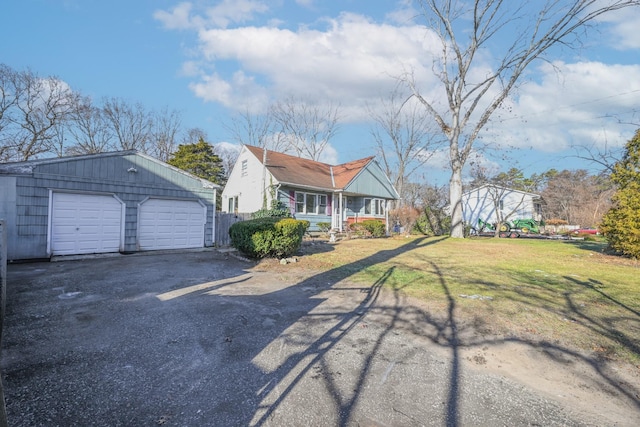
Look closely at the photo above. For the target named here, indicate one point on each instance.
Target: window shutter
(329, 209)
(292, 202)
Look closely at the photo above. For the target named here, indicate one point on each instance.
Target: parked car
(587, 230)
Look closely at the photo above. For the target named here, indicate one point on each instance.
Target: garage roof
(28, 167)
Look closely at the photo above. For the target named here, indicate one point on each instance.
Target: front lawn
(567, 293)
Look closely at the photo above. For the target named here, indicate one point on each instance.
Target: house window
(322, 203)
(501, 204)
(244, 167)
(300, 203)
(538, 208)
(233, 204)
(311, 203)
(307, 203)
(374, 206)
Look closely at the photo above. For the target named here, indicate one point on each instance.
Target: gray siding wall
(107, 175)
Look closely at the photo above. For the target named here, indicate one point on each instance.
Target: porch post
(341, 214)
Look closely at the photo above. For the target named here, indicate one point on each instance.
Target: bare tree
(307, 128)
(403, 134)
(228, 154)
(193, 136)
(31, 110)
(164, 133)
(8, 99)
(526, 29)
(258, 130)
(433, 200)
(605, 157)
(577, 197)
(8, 95)
(130, 123)
(89, 129)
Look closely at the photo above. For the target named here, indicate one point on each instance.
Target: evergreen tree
(621, 224)
(200, 160)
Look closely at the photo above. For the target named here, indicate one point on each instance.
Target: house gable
(372, 181)
(246, 183)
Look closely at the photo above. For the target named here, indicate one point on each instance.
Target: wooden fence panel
(224, 221)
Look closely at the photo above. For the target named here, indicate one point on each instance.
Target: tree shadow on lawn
(569, 298)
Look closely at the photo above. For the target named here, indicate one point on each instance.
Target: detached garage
(110, 202)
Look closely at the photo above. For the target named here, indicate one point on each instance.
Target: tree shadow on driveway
(199, 340)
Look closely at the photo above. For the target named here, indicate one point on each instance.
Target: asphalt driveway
(203, 339)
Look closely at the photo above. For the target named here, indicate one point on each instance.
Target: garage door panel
(85, 223)
(171, 224)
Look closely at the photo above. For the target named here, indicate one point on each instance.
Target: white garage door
(171, 224)
(85, 224)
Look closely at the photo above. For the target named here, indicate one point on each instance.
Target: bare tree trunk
(455, 200)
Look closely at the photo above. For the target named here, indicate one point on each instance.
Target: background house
(110, 202)
(494, 204)
(314, 191)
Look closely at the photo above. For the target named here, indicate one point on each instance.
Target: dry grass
(567, 293)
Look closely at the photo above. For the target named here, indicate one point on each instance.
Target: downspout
(277, 195)
(333, 182)
(264, 178)
(213, 217)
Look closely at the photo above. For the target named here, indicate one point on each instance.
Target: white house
(311, 190)
(493, 204)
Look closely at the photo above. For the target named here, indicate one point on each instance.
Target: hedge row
(268, 237)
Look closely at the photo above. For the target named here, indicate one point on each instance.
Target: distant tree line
(44, 117)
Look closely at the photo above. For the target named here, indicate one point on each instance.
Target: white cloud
(329, 155)
(178, 18)
(573, 104)
(234, 11)
(625, 23)
(352, 61)
(226, 12)
(228, 146)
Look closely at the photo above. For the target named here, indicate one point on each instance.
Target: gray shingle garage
(111, 202)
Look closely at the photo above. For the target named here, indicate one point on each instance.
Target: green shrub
(324, 227)
(374, 227)
(621, 224)
(268, 237)
(277, 210)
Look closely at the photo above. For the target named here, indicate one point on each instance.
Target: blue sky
(209, 59)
